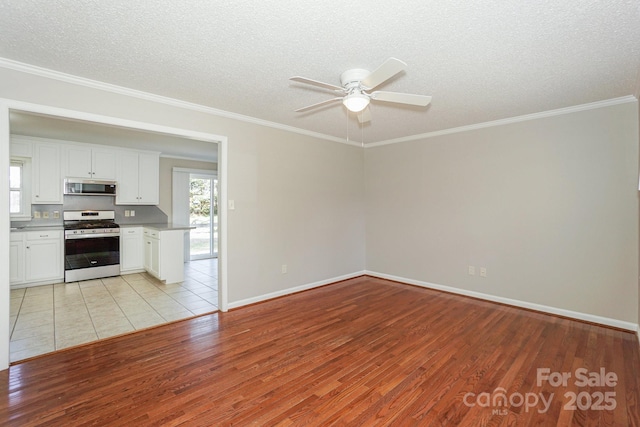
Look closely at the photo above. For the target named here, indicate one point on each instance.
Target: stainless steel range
(91, 245)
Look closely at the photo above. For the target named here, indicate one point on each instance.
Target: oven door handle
(89, 236)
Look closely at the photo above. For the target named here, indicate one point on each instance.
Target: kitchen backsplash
(143, 214)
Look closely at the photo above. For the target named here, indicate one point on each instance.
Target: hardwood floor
(360, 352)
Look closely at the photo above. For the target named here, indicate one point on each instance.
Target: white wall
(548, 206)
(299, 203)
(637, 95)
(4, 239)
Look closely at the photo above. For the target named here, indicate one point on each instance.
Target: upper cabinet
(94, 163)
(138, 176)
(136, 172)
(46, 174)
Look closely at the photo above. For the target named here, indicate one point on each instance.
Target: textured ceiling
(481, 60)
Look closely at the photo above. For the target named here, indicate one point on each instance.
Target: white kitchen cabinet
(89, 162)
(152, 253)
(46, 174)
(149, 178)
(36, 257)
(16, 258)
(163, 254)
(138, 176)
(131, 250)
(43, 256)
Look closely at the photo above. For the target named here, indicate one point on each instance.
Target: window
(15, 188)
(19, 195)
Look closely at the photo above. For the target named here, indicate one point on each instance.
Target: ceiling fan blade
(316, 83)
(388, 69)
(401, 98)
(318, 104)
(364, 116)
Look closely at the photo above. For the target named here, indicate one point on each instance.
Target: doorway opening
(203, 215)
(10, 113)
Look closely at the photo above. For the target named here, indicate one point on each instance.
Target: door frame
(213, 174)
(213, 177)
(9, 105)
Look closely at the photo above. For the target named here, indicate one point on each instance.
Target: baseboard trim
(134, 271)
(615, 323)
(293, 290)
(41, 283)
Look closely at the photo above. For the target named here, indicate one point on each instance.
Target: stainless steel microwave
(89, 187)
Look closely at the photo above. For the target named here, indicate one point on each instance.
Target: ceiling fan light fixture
(356, 102)
(357, 84)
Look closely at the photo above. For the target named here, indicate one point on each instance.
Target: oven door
(91, 256)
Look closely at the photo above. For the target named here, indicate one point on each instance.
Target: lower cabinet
(164, 254)
(131, 250)
(152, 252)
(16, 258)
(36, 256)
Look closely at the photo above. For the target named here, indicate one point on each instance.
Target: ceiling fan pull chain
(347, 126)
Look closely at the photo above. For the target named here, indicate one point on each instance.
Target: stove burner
(87, 220)
(83, 225)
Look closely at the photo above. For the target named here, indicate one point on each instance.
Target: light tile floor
(53, 317)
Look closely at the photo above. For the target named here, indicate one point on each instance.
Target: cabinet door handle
(44, 235)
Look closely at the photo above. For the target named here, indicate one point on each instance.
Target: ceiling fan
(356, 86)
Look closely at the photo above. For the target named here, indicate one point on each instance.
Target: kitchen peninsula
(157, 249)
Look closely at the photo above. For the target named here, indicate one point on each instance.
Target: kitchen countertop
(37, 228)
(160, 227)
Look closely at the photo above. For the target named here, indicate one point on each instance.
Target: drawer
(130, 231)
(151, 233)
(44, 235)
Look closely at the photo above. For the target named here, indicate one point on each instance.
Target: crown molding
(501, 122)
(107, 87)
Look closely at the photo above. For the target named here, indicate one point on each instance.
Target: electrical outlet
(56, 214)
(483, 272)
(133, 213)
(284, 269)
(45, 214)
(36, 214)
(127, 213)
(472, 270)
